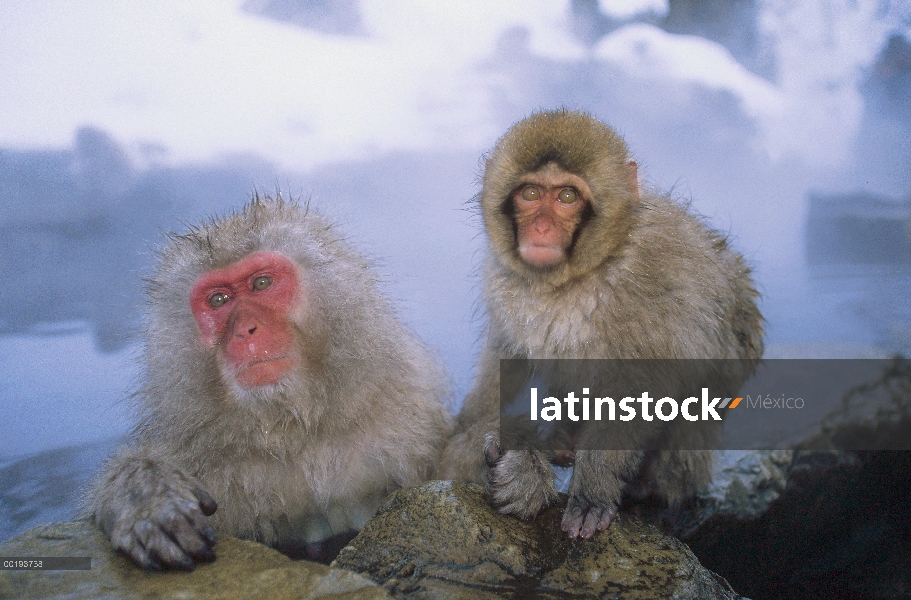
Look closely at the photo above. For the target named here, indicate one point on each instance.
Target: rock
(744, 484)
(243, 570)
(443, 540)
(872, 416)
(825, 520)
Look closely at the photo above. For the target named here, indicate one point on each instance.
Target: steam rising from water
(118, 122)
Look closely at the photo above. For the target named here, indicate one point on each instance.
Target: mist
(787, 126)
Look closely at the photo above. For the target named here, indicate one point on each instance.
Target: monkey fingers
(521, 483)
(177, 535)
(583, 519)
(127, 541)
(169, 530)
(492, 452)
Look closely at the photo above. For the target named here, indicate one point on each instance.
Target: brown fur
(644, 279)
(288, 464)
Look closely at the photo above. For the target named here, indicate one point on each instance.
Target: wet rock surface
(243, 570)
(443, 540)
(440, 540)
(840, 529)
(814, 521)
(818, 521)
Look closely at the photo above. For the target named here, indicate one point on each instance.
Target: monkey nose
(245, 330)
(542, 225)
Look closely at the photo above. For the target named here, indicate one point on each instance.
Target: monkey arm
(463, 456)
(520, 482)
(594, 491)
(153, 511)
(600, 476)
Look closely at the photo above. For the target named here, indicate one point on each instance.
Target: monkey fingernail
(145, 561)
(208, 534)
(492, 452)
(208, 505)
(205, 555)
(150, 565)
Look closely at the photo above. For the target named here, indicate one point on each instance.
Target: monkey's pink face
(245, 311)
(549, 204)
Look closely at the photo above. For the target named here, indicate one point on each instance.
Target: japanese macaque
(583, 264)
(281, 400)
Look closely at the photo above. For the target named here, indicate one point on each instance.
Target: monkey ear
(632, 178)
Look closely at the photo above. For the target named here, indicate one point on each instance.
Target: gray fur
(295, 462)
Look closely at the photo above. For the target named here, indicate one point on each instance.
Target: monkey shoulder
(698, 288)
(674, 252)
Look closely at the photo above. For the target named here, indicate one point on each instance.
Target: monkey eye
(567, 196)
(531, 193)
(218, 300)
(261, 283)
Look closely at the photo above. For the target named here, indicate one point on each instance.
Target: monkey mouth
(263, 371)
(542, 256)
(265, 359)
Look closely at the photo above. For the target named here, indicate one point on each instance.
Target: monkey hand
(157, 516)
(582, 518)
(520, 482)
(594, 491)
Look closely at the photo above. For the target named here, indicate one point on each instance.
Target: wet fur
(292, 463)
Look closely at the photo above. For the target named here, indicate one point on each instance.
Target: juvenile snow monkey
(583, 264)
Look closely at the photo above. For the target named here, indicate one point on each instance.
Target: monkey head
(559, 195)
(245, 297)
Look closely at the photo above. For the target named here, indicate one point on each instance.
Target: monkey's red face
(549, 204)
(245, 311)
